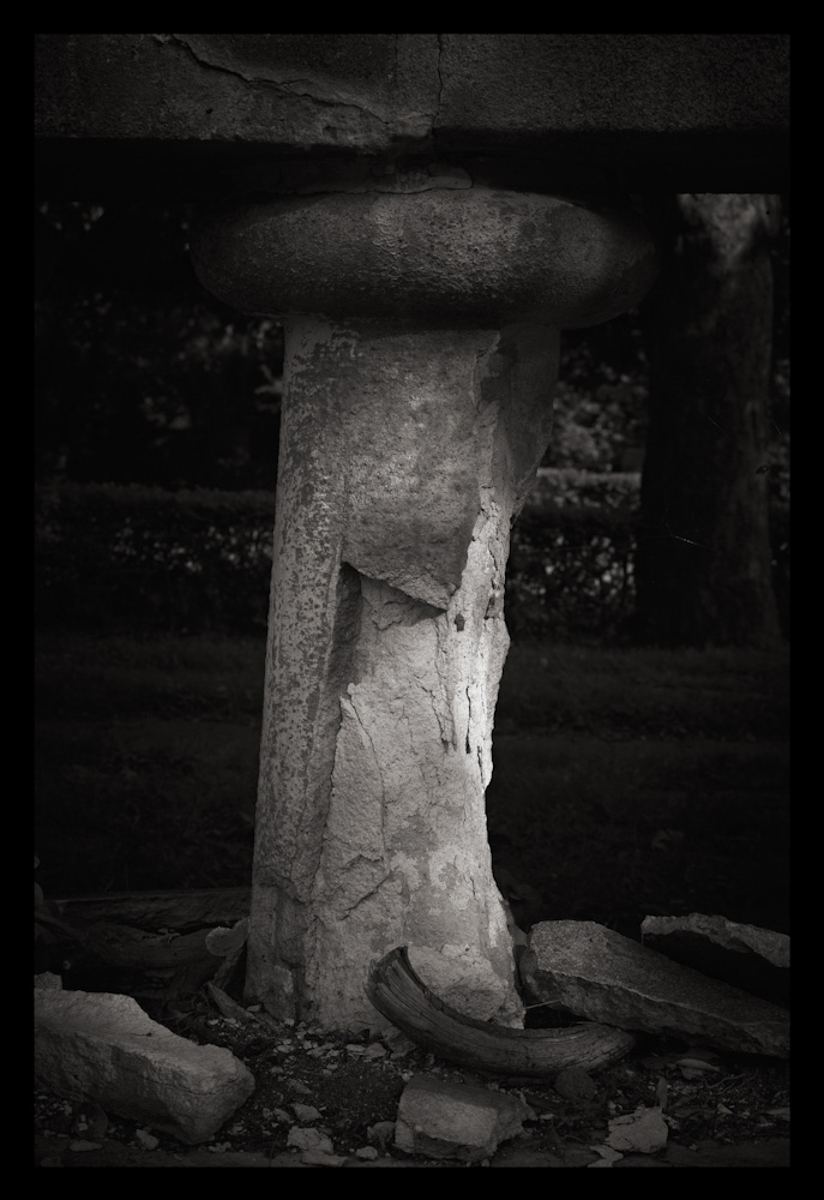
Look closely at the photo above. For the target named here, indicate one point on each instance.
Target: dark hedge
(139, 558)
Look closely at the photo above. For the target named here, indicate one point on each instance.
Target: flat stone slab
(755, 960)
(103, 1047)
(591, 971)
(453, 1120)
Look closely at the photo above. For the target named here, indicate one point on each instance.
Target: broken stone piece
(451, 1120)
(595, 973)
(752, 959)
(105, 1048)
(642, 1132)
(310, 1139)
(319, 1158)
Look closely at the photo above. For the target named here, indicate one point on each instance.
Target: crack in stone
(347, 912)
(286, 85)
(377, 761)
(441, 85)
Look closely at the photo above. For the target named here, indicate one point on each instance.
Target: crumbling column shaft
(404, 456)
(421, 317)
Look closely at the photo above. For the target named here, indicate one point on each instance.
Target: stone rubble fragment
(450, 1120)
(306, 1112)
(104, 1048)
(752, 959)
(146, 1140)
(607, 1157)
(595, 973)
(641, 1132)
(320, 1158)
(381, 1133)
(310, 1139)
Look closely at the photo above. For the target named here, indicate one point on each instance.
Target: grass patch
(721, 694)
(626, 782)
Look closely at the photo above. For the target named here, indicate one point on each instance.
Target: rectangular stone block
(453, 1120)
(105, 1048)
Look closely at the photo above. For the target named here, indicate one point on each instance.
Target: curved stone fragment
(399, 994)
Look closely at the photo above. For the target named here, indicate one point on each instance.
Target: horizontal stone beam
(173, 112)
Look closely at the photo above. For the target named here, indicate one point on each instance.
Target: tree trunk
(703, 564)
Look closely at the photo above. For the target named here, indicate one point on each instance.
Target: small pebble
(309, 1139)
(368, 1152)
(318, 1158)
(146, 1140)
(306, 1112)
(382, 1132)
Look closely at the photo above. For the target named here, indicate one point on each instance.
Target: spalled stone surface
(371, 91)
(103, 1047)
(396, 490)
(451, 1120)
(596, 973)
(752, 959)
(670, 105)
(420, 358)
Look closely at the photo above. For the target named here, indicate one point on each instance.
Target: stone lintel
(677, 112)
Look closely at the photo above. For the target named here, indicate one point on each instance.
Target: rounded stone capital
(478, 257)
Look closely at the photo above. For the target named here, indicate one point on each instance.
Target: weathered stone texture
(451, 1120)
(387, 636)
(752, 959)
(104, 1048)
(278, 90)
(515, 85)
(421, 349)
(662, 106)
(596, 973)
(477, 257)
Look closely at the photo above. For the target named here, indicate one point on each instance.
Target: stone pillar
(421, 352)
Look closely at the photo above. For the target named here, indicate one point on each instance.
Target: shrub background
(197, 560)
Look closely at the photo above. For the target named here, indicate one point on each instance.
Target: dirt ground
(719, 1109)
(146, 776)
